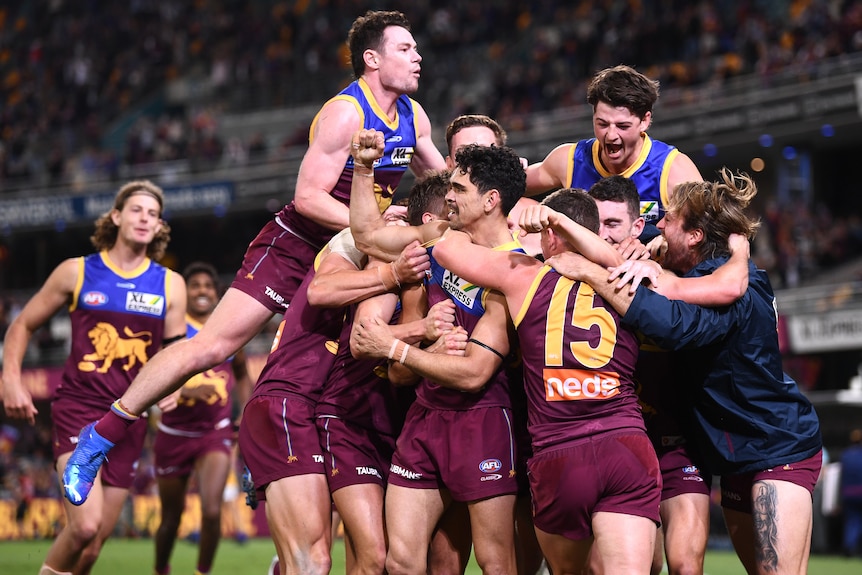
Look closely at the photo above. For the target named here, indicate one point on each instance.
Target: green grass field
(135, 557)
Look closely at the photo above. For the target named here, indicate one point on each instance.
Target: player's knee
(84, 532)
(320, 560)
(371, 559)
(496, 566)
(211, 511)
(688, 567)
(314, 560)
(400, 563)
(170, 523)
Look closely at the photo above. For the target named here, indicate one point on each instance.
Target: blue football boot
(248, 486)
(84, 464)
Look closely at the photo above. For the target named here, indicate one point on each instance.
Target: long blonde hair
(105, 235)
(717, 208)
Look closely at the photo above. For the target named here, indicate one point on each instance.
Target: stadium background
(213, 99)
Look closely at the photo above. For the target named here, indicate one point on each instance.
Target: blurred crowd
(82, 89)
(26, 465)
(796, 242)
(76, 74)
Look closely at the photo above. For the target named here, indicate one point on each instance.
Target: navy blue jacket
(743, 411)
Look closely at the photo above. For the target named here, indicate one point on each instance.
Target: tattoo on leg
(765, 518)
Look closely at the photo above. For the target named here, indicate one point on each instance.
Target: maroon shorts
(69, 416)
(175, 455)
(274, 265)
(736, 489)
(354, 455)
(278, 439)
(615, 472)
(680, 475)
(471, 453)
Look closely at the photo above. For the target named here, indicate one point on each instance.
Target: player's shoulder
(340, 112)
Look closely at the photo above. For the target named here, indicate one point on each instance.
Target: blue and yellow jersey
(400, 143)
(650, 172)
(118, 320)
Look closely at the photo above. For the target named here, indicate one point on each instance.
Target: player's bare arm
(419, 324)
(577, 267)
(367, 225)
(510, 273)
(175, 317)
(549, 174)
(414, 307)
(338, 283)
(724, 286)
(469, 372)
(426, 156)
(175, 328)
(56, 292)
(539, 217)
(682, 170)
(439, 321)
(323, 163)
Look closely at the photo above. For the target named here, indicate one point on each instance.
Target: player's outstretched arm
(367, 225)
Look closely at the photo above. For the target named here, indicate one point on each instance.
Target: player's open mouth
(613, 148)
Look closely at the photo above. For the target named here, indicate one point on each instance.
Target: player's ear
(492, 198)
(647, 121)
(695, 237)
(371, 59)
(638, 226)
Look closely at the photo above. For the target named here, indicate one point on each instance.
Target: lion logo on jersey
(383, 197)
(209, 387)
(110, 346)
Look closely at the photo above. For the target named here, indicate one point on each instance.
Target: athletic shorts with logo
(471, 453)
(278, 438)
(680, 475)
(615, 472)
(69, 416)
(736, 489)
(354, 455)
(274, 265)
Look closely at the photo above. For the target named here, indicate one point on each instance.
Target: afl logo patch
(490, 466)
(95, 298)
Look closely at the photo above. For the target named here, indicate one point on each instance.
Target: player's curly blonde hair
(105, 235)
(717, 208)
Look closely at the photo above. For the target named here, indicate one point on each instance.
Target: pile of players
(491, 373)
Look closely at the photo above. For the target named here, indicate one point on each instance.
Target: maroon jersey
(469, 307)
(578, 362)
(303, 350)
(358, 390)
(201, 416)
(118, 320)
